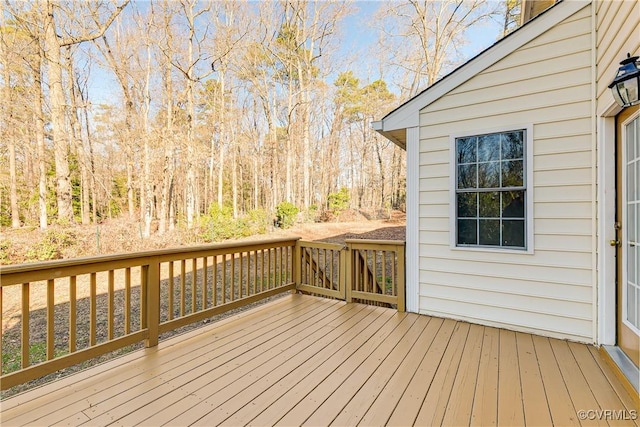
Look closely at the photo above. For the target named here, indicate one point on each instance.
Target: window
(491, 190)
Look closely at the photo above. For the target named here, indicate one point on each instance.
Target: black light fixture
(625, 86)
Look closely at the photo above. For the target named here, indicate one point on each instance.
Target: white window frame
(528, 169)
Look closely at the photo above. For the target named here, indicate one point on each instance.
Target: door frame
(606, 254)
(606, 293)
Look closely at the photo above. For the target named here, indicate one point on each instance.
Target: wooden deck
(314, 361)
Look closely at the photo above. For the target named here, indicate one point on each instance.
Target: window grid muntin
(501, 190)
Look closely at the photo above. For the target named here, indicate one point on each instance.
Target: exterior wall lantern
(625, 86)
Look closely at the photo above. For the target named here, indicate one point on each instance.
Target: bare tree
(6, 111)
(425, 36)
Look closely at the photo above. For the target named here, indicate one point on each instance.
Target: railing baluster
(375, 273)
(92, 310)
(260, 274)
(51, 291)
(360, 278)
(247, 278)
(194, 284)
(183, 286)
(170, 292)
(224, 278)
(72, 313)
(240, 274)
(214, 273)
(204, 283)
(275, 267)
(384, 271)
(365, 270)
(110, 305)
(282, 272)
(233, 276)
(152, 302)
(25, 326)
(394, 284)
(322, 268)
(266, 271)
(289, 259)
(127, 301)
(270, 269)
(144, 291)
(255, 272)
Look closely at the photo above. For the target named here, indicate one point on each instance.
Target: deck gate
(366, 271)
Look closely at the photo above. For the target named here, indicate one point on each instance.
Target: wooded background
(211, 107)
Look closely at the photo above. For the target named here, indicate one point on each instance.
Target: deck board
(534, 398)
(561, 407)
(302, 360)
(510, 407)
(432, 409)
(485, 402)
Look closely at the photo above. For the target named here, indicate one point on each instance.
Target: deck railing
(96, 305)
(376, 272)
(322, 269)
(133, 297)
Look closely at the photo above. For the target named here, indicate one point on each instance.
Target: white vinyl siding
(618, 24)
(546, 82)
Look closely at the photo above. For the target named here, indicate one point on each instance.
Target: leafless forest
(168, 112)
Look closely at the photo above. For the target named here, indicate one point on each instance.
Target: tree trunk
(234, 177)
(147, 187)
(13, 187)
(60, 147)
(76, 131)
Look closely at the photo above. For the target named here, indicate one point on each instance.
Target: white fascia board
(408, 115)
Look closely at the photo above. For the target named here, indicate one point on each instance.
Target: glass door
(629, 246)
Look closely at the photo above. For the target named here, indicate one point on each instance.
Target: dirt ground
(338, 232)
(392, 228)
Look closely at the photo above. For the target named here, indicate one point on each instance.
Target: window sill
(492, 250)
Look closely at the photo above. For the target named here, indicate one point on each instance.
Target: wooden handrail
(9, 274)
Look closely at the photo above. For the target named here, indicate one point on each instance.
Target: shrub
(338, 201)
(286, 213)
(218, 224)
(51, 245)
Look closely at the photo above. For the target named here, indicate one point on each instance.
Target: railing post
(401, 278)
(296, 264)
(348, 276)
(152, 301)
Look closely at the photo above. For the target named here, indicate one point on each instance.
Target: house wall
(617, 33)
(547, 84)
